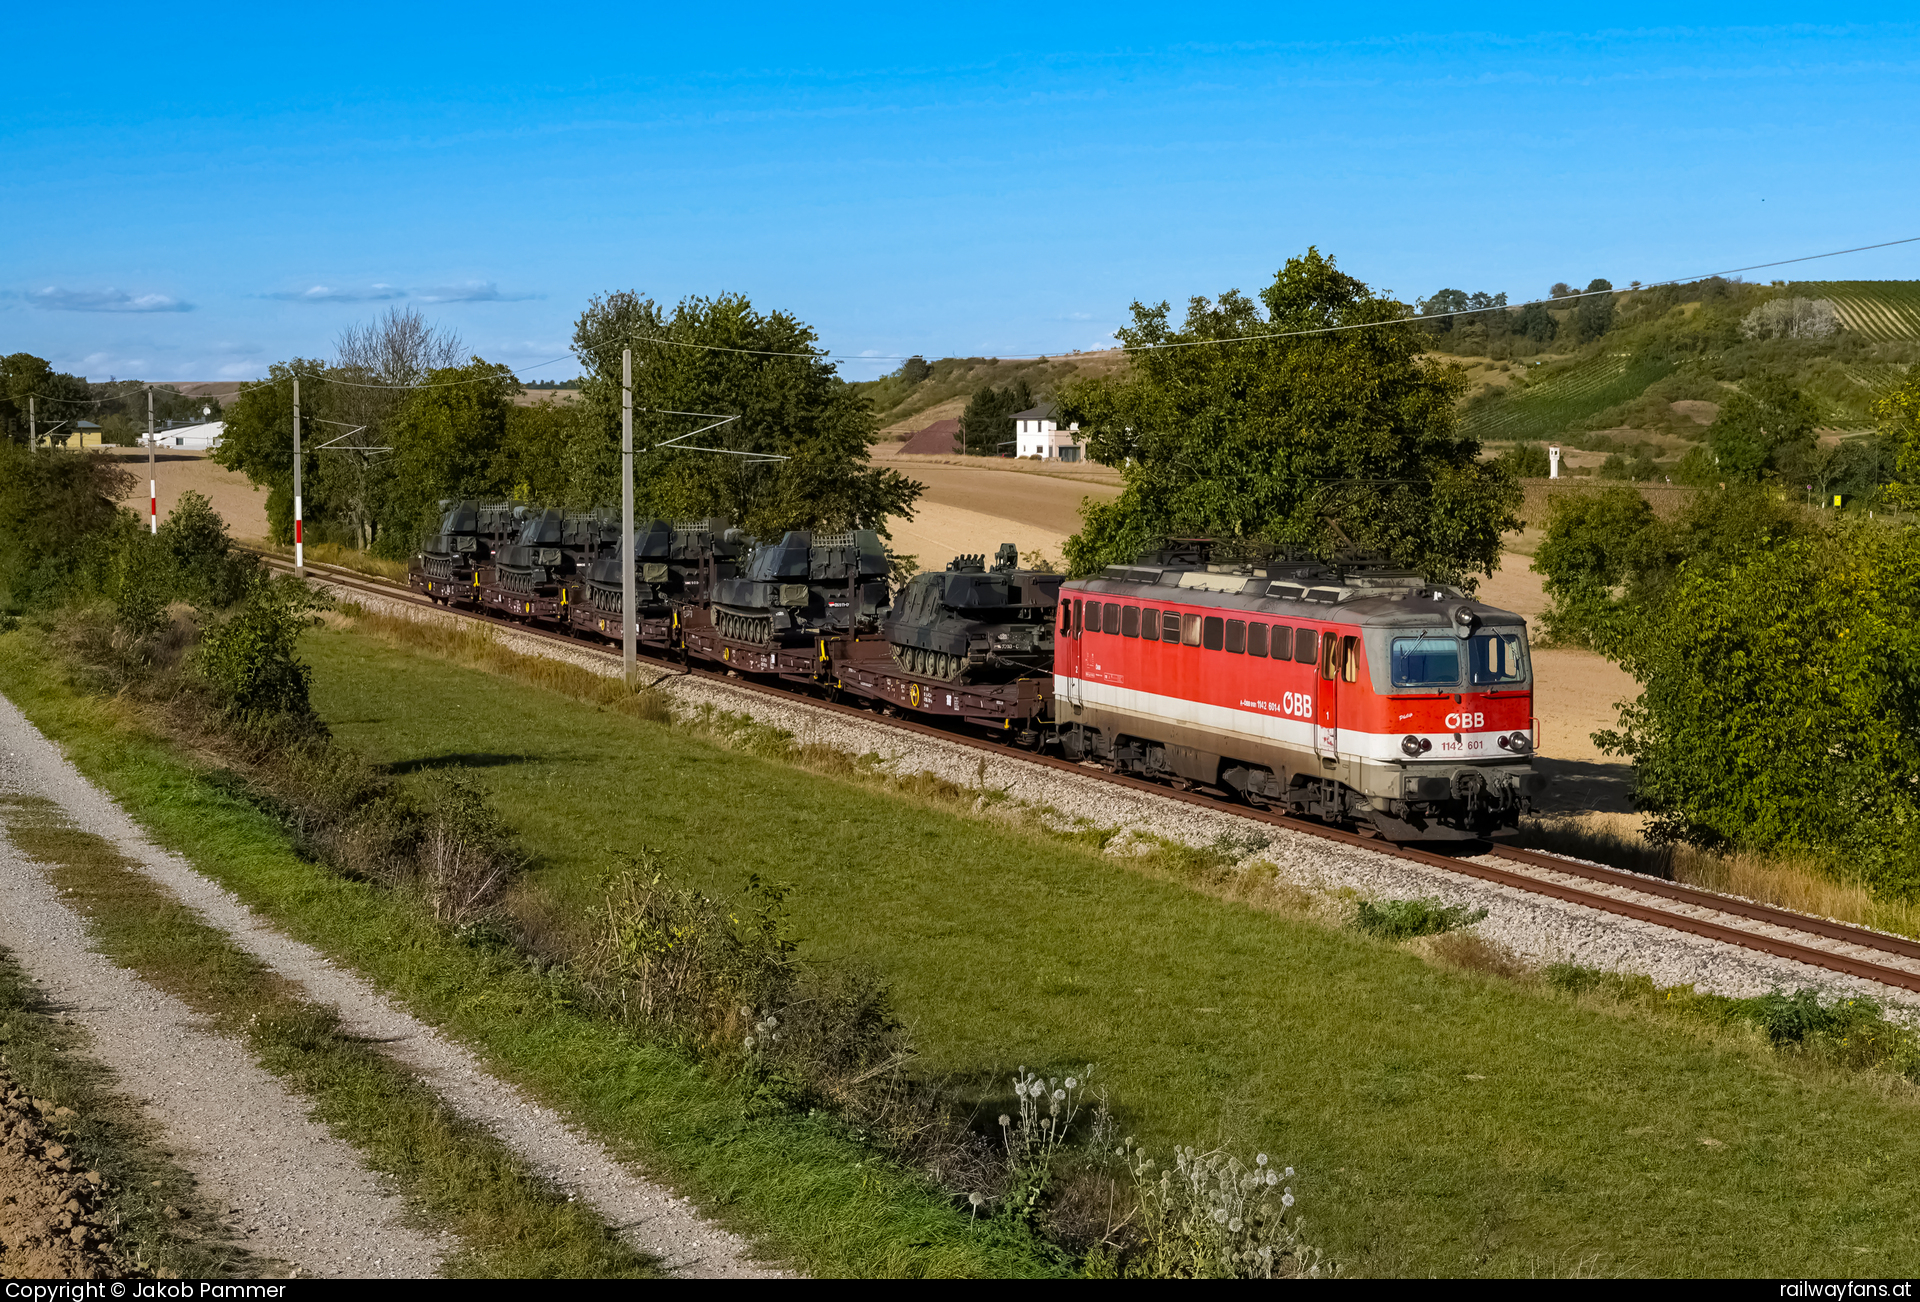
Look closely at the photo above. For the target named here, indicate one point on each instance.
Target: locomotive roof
(1372, 595)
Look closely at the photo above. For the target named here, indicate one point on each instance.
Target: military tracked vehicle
(804, 584)
(652, 579)
(972, 624)
(450, 557)
(535, 563)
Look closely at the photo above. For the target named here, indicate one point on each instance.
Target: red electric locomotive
(1355, 692)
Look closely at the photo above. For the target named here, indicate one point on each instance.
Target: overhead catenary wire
(1538, 302)
(1333, 329)
(1184, 343)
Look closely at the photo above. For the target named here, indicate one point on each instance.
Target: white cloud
(471, 291)
(376, 293)
(468, 291)
(55, 299)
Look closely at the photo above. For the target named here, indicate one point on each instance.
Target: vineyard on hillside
(1559, 396)
(1876, 310)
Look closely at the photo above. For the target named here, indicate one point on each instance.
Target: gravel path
(1539, 929)
(312, 1201)
(294, 1192)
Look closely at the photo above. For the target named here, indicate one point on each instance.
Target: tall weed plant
(1212, 1216)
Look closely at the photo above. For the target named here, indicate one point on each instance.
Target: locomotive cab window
(1066, 618)
(1350, 659)
(1426, 662)
(1304, 642)
(1092, 624)
(1150, 624)
(1111, 616)
(1497, 658)
(1329, 656)
(1237, 636)
(1256, 639)
(1190, 630)
(1130, 622)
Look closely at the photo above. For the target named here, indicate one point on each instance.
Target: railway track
(1818, 942)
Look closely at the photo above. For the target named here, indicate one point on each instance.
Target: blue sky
(192, 193)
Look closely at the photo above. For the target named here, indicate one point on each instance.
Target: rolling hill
(902, 407)
(1653, 382)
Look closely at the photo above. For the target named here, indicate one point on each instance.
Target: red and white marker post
(153, 484)
(299, 543)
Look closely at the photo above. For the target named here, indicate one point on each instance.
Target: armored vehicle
(534, 564)
(974, 624)
(451, 555)
(654, 582)
(805, 584)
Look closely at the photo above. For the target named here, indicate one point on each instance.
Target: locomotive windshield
(1497, 657)
(1426, 662)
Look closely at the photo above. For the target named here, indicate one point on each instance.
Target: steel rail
(1706, 899)
(1637, 882)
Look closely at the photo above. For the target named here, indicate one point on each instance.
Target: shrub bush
(248, 659)
(199, 561)
(1405, 919)
(1781, 703)
(55, 508)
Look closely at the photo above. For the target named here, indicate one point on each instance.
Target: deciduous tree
(447, 440)
(1899, 416)
(1235, 428)
(722, 356)
(1780, 705)
(1762, 426)
(1594, 316)
(986, 425)
(257, 441)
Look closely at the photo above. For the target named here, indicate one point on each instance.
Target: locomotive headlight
(1411, 745)
(1519, 742)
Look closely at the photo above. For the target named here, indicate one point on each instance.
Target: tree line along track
(1813, 929)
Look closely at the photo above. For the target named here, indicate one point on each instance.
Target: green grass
(513, 1224)
(1442, 1123)
(798, 1185)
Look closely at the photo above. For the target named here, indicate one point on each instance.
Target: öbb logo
(1461, 721)
(1297, 704)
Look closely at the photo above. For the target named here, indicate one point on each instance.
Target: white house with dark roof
(202, 436)
(1037, 434)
